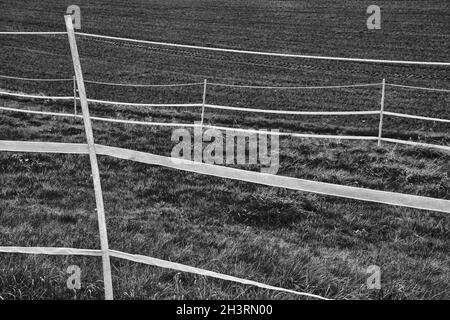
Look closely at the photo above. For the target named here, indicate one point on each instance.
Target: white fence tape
(34, 96)
(37, 80)
(187, 125)
(148, 123)
(417, 144)
(184, 268)
(273, 54)
(52, 251)
(46, 147)
(152, 262)
(45, 113)
(294, 87)
(417, 88)
(403, 115)
(298, 135)
(216, 84)
(211, 106)
(356, 193)
(37, 33)
(272, 111)
(145, 85)
(187, 105)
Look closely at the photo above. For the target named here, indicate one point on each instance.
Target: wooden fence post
(380, 129)
(204, 102)
(74, 95)
(92, 158)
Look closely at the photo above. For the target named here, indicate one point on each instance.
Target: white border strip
(266, 53)
(184, 268)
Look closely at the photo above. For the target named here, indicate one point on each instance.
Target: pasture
(300, 241)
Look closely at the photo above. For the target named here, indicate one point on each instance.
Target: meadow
(301, 241)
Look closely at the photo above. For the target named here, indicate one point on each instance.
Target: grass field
(295, 240)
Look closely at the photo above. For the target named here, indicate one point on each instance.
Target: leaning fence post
(380, 129)
(74, 95)
(92, 158)
(204, 102)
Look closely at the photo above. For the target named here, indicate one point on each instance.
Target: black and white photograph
(226, 156)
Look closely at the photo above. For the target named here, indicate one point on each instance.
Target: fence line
(187, 125)
(294, 87)
(272, 111)
(404, 115)
(297, 135)
(260, 53)
(53, 251)
(34, 96)
(198, 84)
(36, 79)
(418, 88)
(153, 262)
(187, 105)
(329, 189)
(145, 85)
(45, 113)
(212, 106)
(229, 85)
(300, 135)
(104, 83)
(184, 268)
(70, 115)
(418, 144)
(37, 33)
(239, 51)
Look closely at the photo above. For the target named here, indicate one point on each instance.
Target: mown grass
(295, 240)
